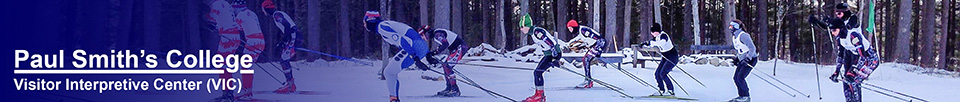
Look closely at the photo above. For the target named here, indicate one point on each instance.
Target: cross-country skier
(253, 42)
(289, 28)
(670, 56)
(239, 33)
(588, 41)
(855, 56)
(452, 45)
(746, 57)
(413, 48)
(551, 54)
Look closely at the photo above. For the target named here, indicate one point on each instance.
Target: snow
(342, 81)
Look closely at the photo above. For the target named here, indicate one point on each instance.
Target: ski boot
(658, 93)
(740, 99)
(537, 97)
(669, 93)
(226, 97)
(453, 91)
(290, 87)
(585, 85)
(244, 95)
(394, 99)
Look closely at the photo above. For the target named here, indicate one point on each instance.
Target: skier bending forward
(590, 42)
(412, 46)
(551, 54)
(452, 45)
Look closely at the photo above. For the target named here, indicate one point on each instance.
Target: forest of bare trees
(921, 32)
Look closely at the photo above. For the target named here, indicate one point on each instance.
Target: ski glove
(645, 44)
(431, 59)
(834, 78)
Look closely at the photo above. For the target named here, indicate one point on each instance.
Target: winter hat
(371, 18)
(842, 7)
(572, 23)
(526, 21)
(655, 28)
(268, 4)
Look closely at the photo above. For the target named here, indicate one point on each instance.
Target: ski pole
(771, 84)
(611, 87)
(678, 85)
(681, 69)
(478, 87)
(334, 56)
(634, 77)
(491, 66)
(868, 84)
(466, 78)
(775, 79)
(816, 58)
(271, 75)
(888, 95)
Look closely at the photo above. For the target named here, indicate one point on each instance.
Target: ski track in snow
(343, 81)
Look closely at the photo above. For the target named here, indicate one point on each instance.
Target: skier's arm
(840, 59)
(853, 22)
(747, 43)
(817, 22)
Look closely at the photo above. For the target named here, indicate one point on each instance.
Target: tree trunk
(627, 19)
(762, 28)
(456, 16)
(384, 49)
(656, 12)
(500, 29)
(524, 10)
(903, 32)
(561, 18)
(345, 45)
(696, 21)
(441, 10)
(728, 15)
(944, 32)
(645, 21)
(687, 25)
(610, 18)
(929, 30)
(485, 22)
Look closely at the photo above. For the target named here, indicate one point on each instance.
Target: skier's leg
(229, 44)
(739, 78)
(666, 70)
(659, 74)
(545, 62)
(394, 66)
(672, 57)
(587, 83)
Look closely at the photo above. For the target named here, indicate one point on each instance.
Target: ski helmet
(526, 21)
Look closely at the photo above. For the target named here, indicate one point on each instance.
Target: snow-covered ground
(341, 81)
